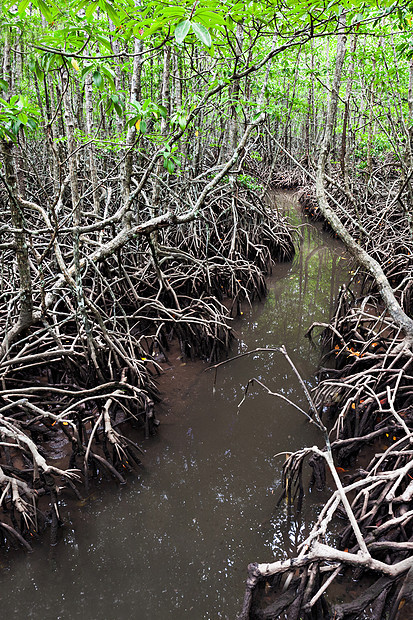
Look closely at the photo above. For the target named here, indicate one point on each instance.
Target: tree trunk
(343, 158)
(22, 252)
(91, 148)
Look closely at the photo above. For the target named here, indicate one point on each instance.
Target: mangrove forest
(206, 254)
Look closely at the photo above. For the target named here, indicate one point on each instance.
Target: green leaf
(9, 133)
(38, 71)
(4, 85)
(173, 11)
(57, 60)
(90, 9)
(111, 82)
(112, 13)
(45, 10)
(213, 18)
(46, 61)
(162, 111)
(201, 33)
(105, 42)
(169, 165)
(182, 30)
(97, 79)
(85, 70)
(22, 7)
(16, 126)
(154, 28)
(110, 75)
(23, 118)
(108, 71)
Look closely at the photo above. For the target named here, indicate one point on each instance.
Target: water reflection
(176, 543)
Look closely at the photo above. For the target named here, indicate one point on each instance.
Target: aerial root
(83, 375)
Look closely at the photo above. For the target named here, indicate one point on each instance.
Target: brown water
(175, 543)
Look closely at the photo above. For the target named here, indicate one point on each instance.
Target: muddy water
(175, 543)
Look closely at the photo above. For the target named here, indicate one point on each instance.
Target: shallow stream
(175, 543)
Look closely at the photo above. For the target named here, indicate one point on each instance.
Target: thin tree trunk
(233, 122)
(135, 94)
(22, 251)
(343, 160)
(166, 103)
(91, 148)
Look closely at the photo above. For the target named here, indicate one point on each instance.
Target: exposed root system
(83, 375)
(365, 396)
(367, 399)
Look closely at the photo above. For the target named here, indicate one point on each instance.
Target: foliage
(16, 114)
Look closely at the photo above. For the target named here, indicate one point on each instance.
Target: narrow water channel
(175, 543)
